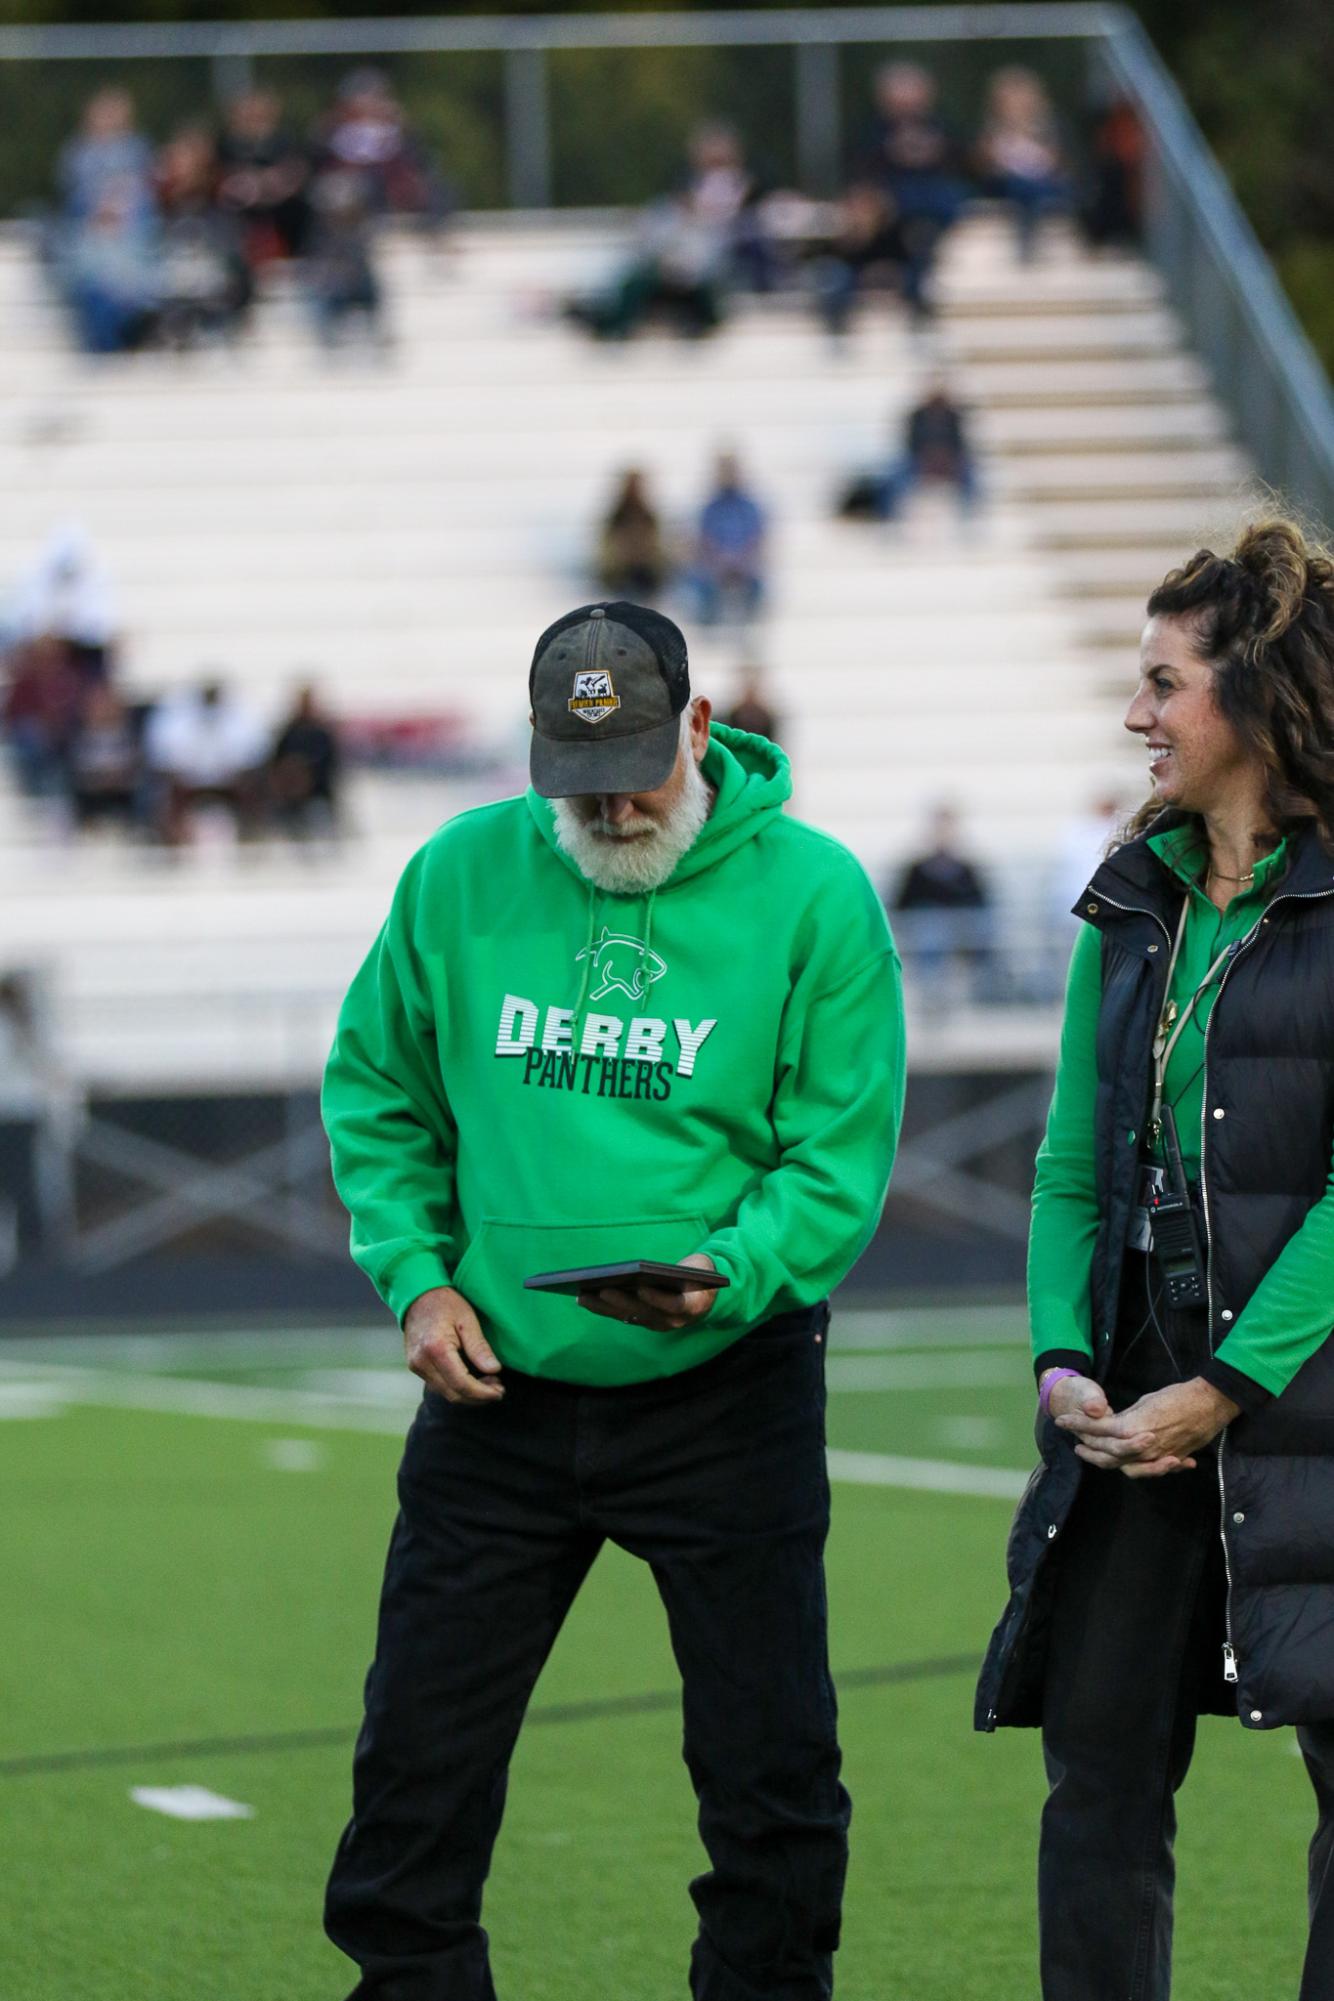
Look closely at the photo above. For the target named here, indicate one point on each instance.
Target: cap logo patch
(594, 697)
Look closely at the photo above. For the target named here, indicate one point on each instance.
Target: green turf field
(193, 1532)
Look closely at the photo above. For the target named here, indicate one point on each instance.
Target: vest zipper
(1230, 1672)
(1135, 910)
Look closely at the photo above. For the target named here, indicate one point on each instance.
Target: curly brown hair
(1264, 619)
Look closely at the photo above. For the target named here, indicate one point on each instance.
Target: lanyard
(1172, 1022)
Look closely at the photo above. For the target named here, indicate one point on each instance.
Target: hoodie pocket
(546, 1334)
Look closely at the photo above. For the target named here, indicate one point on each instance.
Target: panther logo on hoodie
(622, 964)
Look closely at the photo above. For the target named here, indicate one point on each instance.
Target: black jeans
(1135, 1657)
(717, 1479)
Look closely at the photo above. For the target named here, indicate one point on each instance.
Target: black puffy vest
(1268, 1135)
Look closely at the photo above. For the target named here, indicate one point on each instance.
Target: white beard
(634, 858)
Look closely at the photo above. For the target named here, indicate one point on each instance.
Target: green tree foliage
(1261, 83)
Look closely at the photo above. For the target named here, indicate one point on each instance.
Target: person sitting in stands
(206, 283)
(944, 907)
(343, 285)
(916, 158)
(110, 270)
(107, 156)
(264, 179)
(304, 770)
(722, 187)
(867, 246)
(751, 711)
(367, 134)
(105, 762)
(678, 271)
(205, 748)
(728, 568)
(935, 447)
(1019, 153)
(68, 592)
(1114, 212)
(632, 553)
(40, 712)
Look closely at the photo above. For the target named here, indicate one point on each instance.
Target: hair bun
(1276, 559)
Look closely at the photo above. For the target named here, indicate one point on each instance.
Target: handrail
(474, 32)
(1193, 214)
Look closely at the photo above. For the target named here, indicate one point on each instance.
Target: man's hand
(445, 1346)
(649, 1306)
(1159, 1434)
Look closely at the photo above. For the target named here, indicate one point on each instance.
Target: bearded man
(639, 1013)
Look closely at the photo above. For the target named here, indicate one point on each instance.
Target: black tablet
(633, 1272)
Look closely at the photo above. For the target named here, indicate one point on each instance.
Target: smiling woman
(1238, 684)
(1175, 1555)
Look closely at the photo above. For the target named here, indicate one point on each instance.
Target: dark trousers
(717, 1479)
(1135, 1656)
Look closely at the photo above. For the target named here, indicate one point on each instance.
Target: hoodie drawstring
(645, 974)
(586, 956)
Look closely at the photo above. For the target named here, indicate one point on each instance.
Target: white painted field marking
(922, 1372)
(30, 1400)
(968, 1432)
(930, 1327)
(860, 1327)
(395, 1388)
(930, 1476)
(188, 1397)
(293, 1455)
(190, 1803)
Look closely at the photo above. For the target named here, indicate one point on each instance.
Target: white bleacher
(400, 527)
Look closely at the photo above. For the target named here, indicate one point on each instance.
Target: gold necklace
(1218, 874)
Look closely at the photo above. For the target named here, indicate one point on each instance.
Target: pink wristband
(1049, 1384)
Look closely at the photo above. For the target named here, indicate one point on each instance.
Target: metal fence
(536, 113)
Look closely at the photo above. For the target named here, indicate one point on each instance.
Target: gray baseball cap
(607, 687)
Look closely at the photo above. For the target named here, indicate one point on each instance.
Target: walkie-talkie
(1177, 1249)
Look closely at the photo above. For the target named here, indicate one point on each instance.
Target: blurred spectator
(1114, 213)
(264, 179)
(721, 189)
(105, 762)
(206, 284)
(1083, 843)
(107, 159)
(205, 749)
(109, 268)
(40, 712)
(915, 157)
(943, 908)
(367, 134)
(867, 246)
(632, 553)
(678, 271)
(304, 770)
(1019, 153)
(728, 564)
(67, 592)
(935, 448)
(751, 711)
(340, 271)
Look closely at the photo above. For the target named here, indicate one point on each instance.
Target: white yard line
(313, 1410)
(857, 1328)
(930, 1476)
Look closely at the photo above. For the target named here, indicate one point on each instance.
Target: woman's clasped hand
(1159, 1433)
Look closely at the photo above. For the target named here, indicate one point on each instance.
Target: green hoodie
(531, 1074)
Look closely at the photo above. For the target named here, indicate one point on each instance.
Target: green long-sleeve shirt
(1290, 1313)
